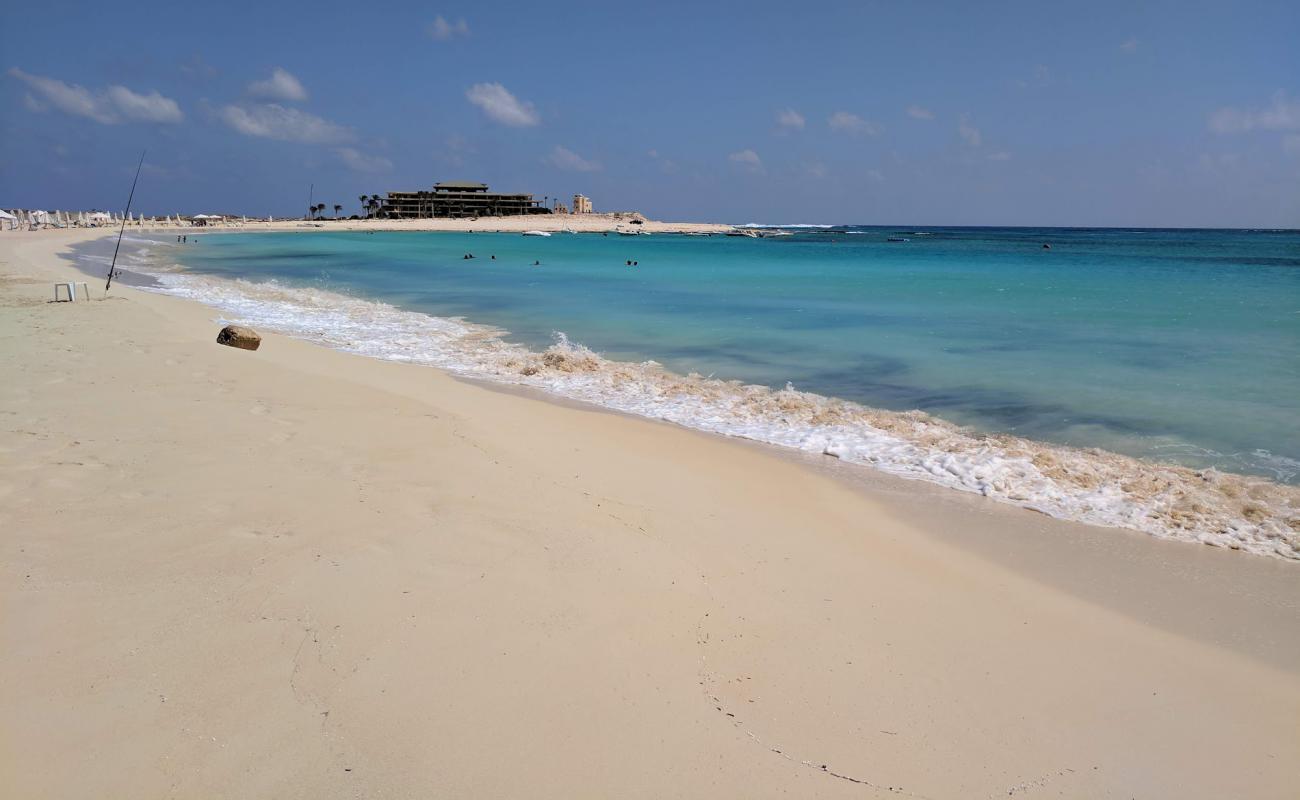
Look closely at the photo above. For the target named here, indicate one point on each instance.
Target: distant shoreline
(550, 223)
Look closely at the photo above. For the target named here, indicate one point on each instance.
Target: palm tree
(365, 209)
(337, 209)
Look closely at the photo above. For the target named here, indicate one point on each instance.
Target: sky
(1177, 114)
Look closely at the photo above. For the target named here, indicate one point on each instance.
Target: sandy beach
(551, 223)
(301, 573)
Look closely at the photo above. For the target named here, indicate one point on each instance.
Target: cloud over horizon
(844, 122)
(358, 161)
(274, 121)
(282, 85)
(790, 120)
(1283, 114)
(500, 105)
(968, 132)
(748, 159)
(564, 158)
(110, 106)
(919, 112)
(441, 30)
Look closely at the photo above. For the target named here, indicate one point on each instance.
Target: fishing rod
(113, 266)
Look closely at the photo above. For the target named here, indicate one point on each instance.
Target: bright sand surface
(300, 573)
(536, 222)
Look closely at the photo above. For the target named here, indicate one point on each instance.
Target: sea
(1144, 379)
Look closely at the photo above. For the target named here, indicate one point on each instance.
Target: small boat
(897, 239)
(628, 233)
(536, 233)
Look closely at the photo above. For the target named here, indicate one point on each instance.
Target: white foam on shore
(1092, 486)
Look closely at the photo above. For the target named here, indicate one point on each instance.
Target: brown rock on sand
(236, 336)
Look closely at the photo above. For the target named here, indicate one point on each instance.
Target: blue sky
(1143, 114)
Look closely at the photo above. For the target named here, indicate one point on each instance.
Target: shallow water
(1181, 347)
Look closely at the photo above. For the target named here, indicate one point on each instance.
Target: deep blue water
(1177, 345)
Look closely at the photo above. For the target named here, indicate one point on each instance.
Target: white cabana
(100, 218)
(8, 220)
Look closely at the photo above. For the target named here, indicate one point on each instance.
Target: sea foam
(1085, 485)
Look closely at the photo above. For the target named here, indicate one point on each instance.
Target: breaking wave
(1086, 485)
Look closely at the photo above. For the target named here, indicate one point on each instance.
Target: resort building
(458, 199)
(581, 204)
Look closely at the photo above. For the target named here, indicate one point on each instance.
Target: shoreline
(1083, 484)
(551, 223)
(756, 554)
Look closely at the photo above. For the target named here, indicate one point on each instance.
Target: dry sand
(584, 223)
(298, 573)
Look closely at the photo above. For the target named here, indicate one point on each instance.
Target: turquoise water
(1180, 346)
(1133, 378)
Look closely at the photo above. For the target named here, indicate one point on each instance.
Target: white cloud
(999, 156)
(358, 161)
(151, 107)
(110, 106)
(442, 30)
(564, 158)
(68, 98)
(499, 104)
(282, 85)
(919, 112)
(968, 132)
(844, 122)
(272, 121)
(1129, 45)
(1282, 115)
(748, 159)
(875, 176)
(790, 119)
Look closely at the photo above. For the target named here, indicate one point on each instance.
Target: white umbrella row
(25, 218)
